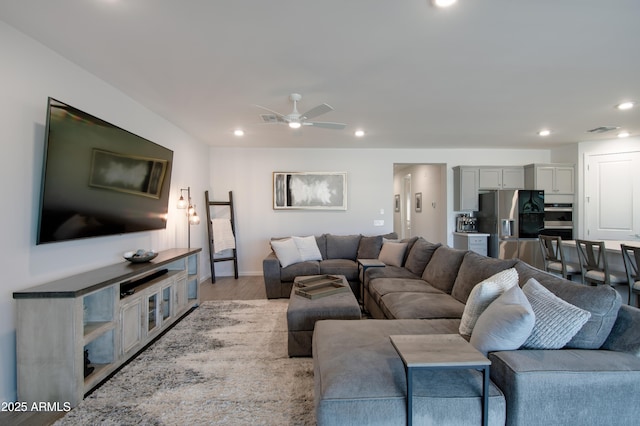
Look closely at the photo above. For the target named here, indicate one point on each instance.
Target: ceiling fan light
(624, 134)
(626, 105)
(443, 3)
(294, 124)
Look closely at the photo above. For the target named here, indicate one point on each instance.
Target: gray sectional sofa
(360, 379)
(339, 257)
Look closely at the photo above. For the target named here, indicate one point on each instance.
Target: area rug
(224, 364)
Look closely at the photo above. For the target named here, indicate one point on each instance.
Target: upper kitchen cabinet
(554, 179)
(501, 177)
(465, 188)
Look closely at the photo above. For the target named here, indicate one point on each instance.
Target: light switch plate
(378, 223)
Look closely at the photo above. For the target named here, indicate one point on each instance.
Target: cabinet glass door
(152, 312)
(166, 302)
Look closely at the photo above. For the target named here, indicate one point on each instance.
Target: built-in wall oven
(558, 220)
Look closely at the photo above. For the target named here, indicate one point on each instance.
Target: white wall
(28, 75)
(248, 172)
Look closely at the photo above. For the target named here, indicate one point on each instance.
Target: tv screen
(99, 179)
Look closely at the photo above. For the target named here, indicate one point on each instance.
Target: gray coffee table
(303, 313)
(440, 351)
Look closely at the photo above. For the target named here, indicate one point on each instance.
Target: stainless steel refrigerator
(513, 219)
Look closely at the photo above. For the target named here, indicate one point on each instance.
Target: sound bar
(127, 288)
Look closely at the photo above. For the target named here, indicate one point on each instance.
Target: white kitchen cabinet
(554, 179)
(465, 188)
(501, 177)
(471, 241)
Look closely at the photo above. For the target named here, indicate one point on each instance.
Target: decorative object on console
(140, 256)
(192, 215)
(310, 190)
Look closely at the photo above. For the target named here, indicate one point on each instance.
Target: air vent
(603, 129)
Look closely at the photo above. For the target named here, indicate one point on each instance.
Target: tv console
(58, 321)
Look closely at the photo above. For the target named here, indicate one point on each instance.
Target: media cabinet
(111, 312)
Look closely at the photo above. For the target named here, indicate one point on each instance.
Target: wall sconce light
(192, 215)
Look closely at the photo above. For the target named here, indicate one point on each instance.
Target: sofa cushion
(443, 268)
(476, 268)
(288, 274)
(420, 255)
(308, 248)
(420, 305)
(483, 294)
(557, 321)
(506, 323)
(388, 272)
(369, 247)
(342, 246)
(286, 251)
(392, 253)
(346, 267)
(381, 286)
(602, 301)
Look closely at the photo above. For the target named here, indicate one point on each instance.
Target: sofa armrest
(567, 386)
(271, 272)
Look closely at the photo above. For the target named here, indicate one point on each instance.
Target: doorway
(422, 189)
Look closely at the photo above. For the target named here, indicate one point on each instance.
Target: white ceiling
(487, 73)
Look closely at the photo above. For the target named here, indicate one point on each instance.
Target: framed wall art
(396, 202)
(418, 202)
(309, 190)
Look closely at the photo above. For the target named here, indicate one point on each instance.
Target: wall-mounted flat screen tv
(99, 179)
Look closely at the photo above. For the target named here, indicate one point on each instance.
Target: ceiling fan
(295, 120)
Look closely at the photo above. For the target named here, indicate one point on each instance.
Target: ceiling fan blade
(316, 111)
(325, 124)
(281, 117)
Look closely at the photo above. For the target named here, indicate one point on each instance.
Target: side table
(365, 264)
(440, 351)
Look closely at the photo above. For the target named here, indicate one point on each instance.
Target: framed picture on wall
(418, 202)
(310, 190)
(396, 202)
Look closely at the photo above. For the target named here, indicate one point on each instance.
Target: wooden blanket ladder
(234, 255)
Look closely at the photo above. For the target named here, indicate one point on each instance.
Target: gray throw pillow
(419, 255)
(369, 247)
(506, 324)
(557, 321)
(392, 253)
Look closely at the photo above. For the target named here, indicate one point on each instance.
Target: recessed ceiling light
(624, 134)
(238, 132)
(626, 105)
(359, 133)
(544, 132)
(443, 3)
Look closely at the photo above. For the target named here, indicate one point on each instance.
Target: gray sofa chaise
(359, 378)
(339, 257)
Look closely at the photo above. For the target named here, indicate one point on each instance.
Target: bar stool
(554, 258)
(593, 262)
(631, 260)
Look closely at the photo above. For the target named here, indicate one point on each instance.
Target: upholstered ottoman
(303, 313)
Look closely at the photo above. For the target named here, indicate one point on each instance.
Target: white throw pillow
(392, 253)
(506, 324)
(483, 294)
(557, 321)
(286, 251)
(308, 248)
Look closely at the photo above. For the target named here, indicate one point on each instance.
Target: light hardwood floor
(225, 288)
